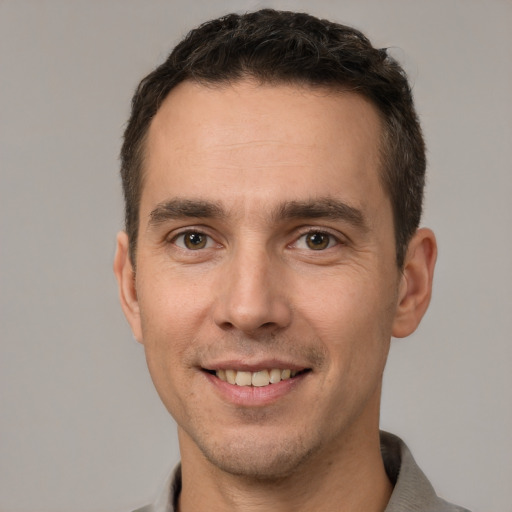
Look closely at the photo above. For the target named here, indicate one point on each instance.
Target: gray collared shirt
(412, 491)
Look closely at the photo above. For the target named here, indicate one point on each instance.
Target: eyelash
(209, 240)
(332, 241)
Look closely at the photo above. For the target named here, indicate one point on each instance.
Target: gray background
(81, 428)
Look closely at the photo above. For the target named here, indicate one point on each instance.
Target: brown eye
(195, 240)
(317, 241)
(192, 240)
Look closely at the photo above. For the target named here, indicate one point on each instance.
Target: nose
(252, 294)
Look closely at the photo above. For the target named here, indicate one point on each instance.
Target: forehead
(247, 136)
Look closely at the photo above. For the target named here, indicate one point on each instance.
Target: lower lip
(253, 396)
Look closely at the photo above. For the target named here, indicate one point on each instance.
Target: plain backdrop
(81, 427)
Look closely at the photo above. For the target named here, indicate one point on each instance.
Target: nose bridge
(252, 292)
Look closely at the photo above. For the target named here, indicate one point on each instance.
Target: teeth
(275, 376)
(260, 378)
(231, 376)
(243, 378)
(257, 379)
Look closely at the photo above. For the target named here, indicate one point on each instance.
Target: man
(273, 171)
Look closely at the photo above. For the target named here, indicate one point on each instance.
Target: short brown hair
(276, 47)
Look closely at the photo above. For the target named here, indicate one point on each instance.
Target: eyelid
(339, 237)
(301, 232)
(331, 242)
(172, 237)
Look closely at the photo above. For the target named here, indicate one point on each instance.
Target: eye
(316, 241)
(193, 240)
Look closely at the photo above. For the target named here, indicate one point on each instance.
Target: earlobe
(415, 288)
(123, 270)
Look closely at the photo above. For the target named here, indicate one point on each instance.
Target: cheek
(168, 333)
(172, 317)
(341, 302)
(172, 305)
(352, 319)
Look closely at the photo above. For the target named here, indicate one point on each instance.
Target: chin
(257, 458)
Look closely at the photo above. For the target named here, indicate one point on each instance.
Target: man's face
(266, 249)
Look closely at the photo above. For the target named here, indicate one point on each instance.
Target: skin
(242, 166)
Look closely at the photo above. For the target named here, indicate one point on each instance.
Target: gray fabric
(412, 491)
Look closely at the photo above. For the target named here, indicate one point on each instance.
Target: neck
(350, 476)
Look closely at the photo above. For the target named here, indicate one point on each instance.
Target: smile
(260, 378)
(260, 384)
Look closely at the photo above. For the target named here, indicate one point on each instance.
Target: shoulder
(412, 491)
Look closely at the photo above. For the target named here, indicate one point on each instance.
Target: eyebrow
(321, 208)
(184, 208)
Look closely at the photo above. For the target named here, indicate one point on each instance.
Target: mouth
(260, 378)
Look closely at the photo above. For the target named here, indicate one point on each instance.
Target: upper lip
(253, 366)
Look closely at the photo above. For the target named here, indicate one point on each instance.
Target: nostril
(266, 326)
(226, 326)
(251, 312)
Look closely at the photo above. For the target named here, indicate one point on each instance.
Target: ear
(123, 269)
(415, 288)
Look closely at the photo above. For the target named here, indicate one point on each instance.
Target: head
(275, 47)
(267, 167)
